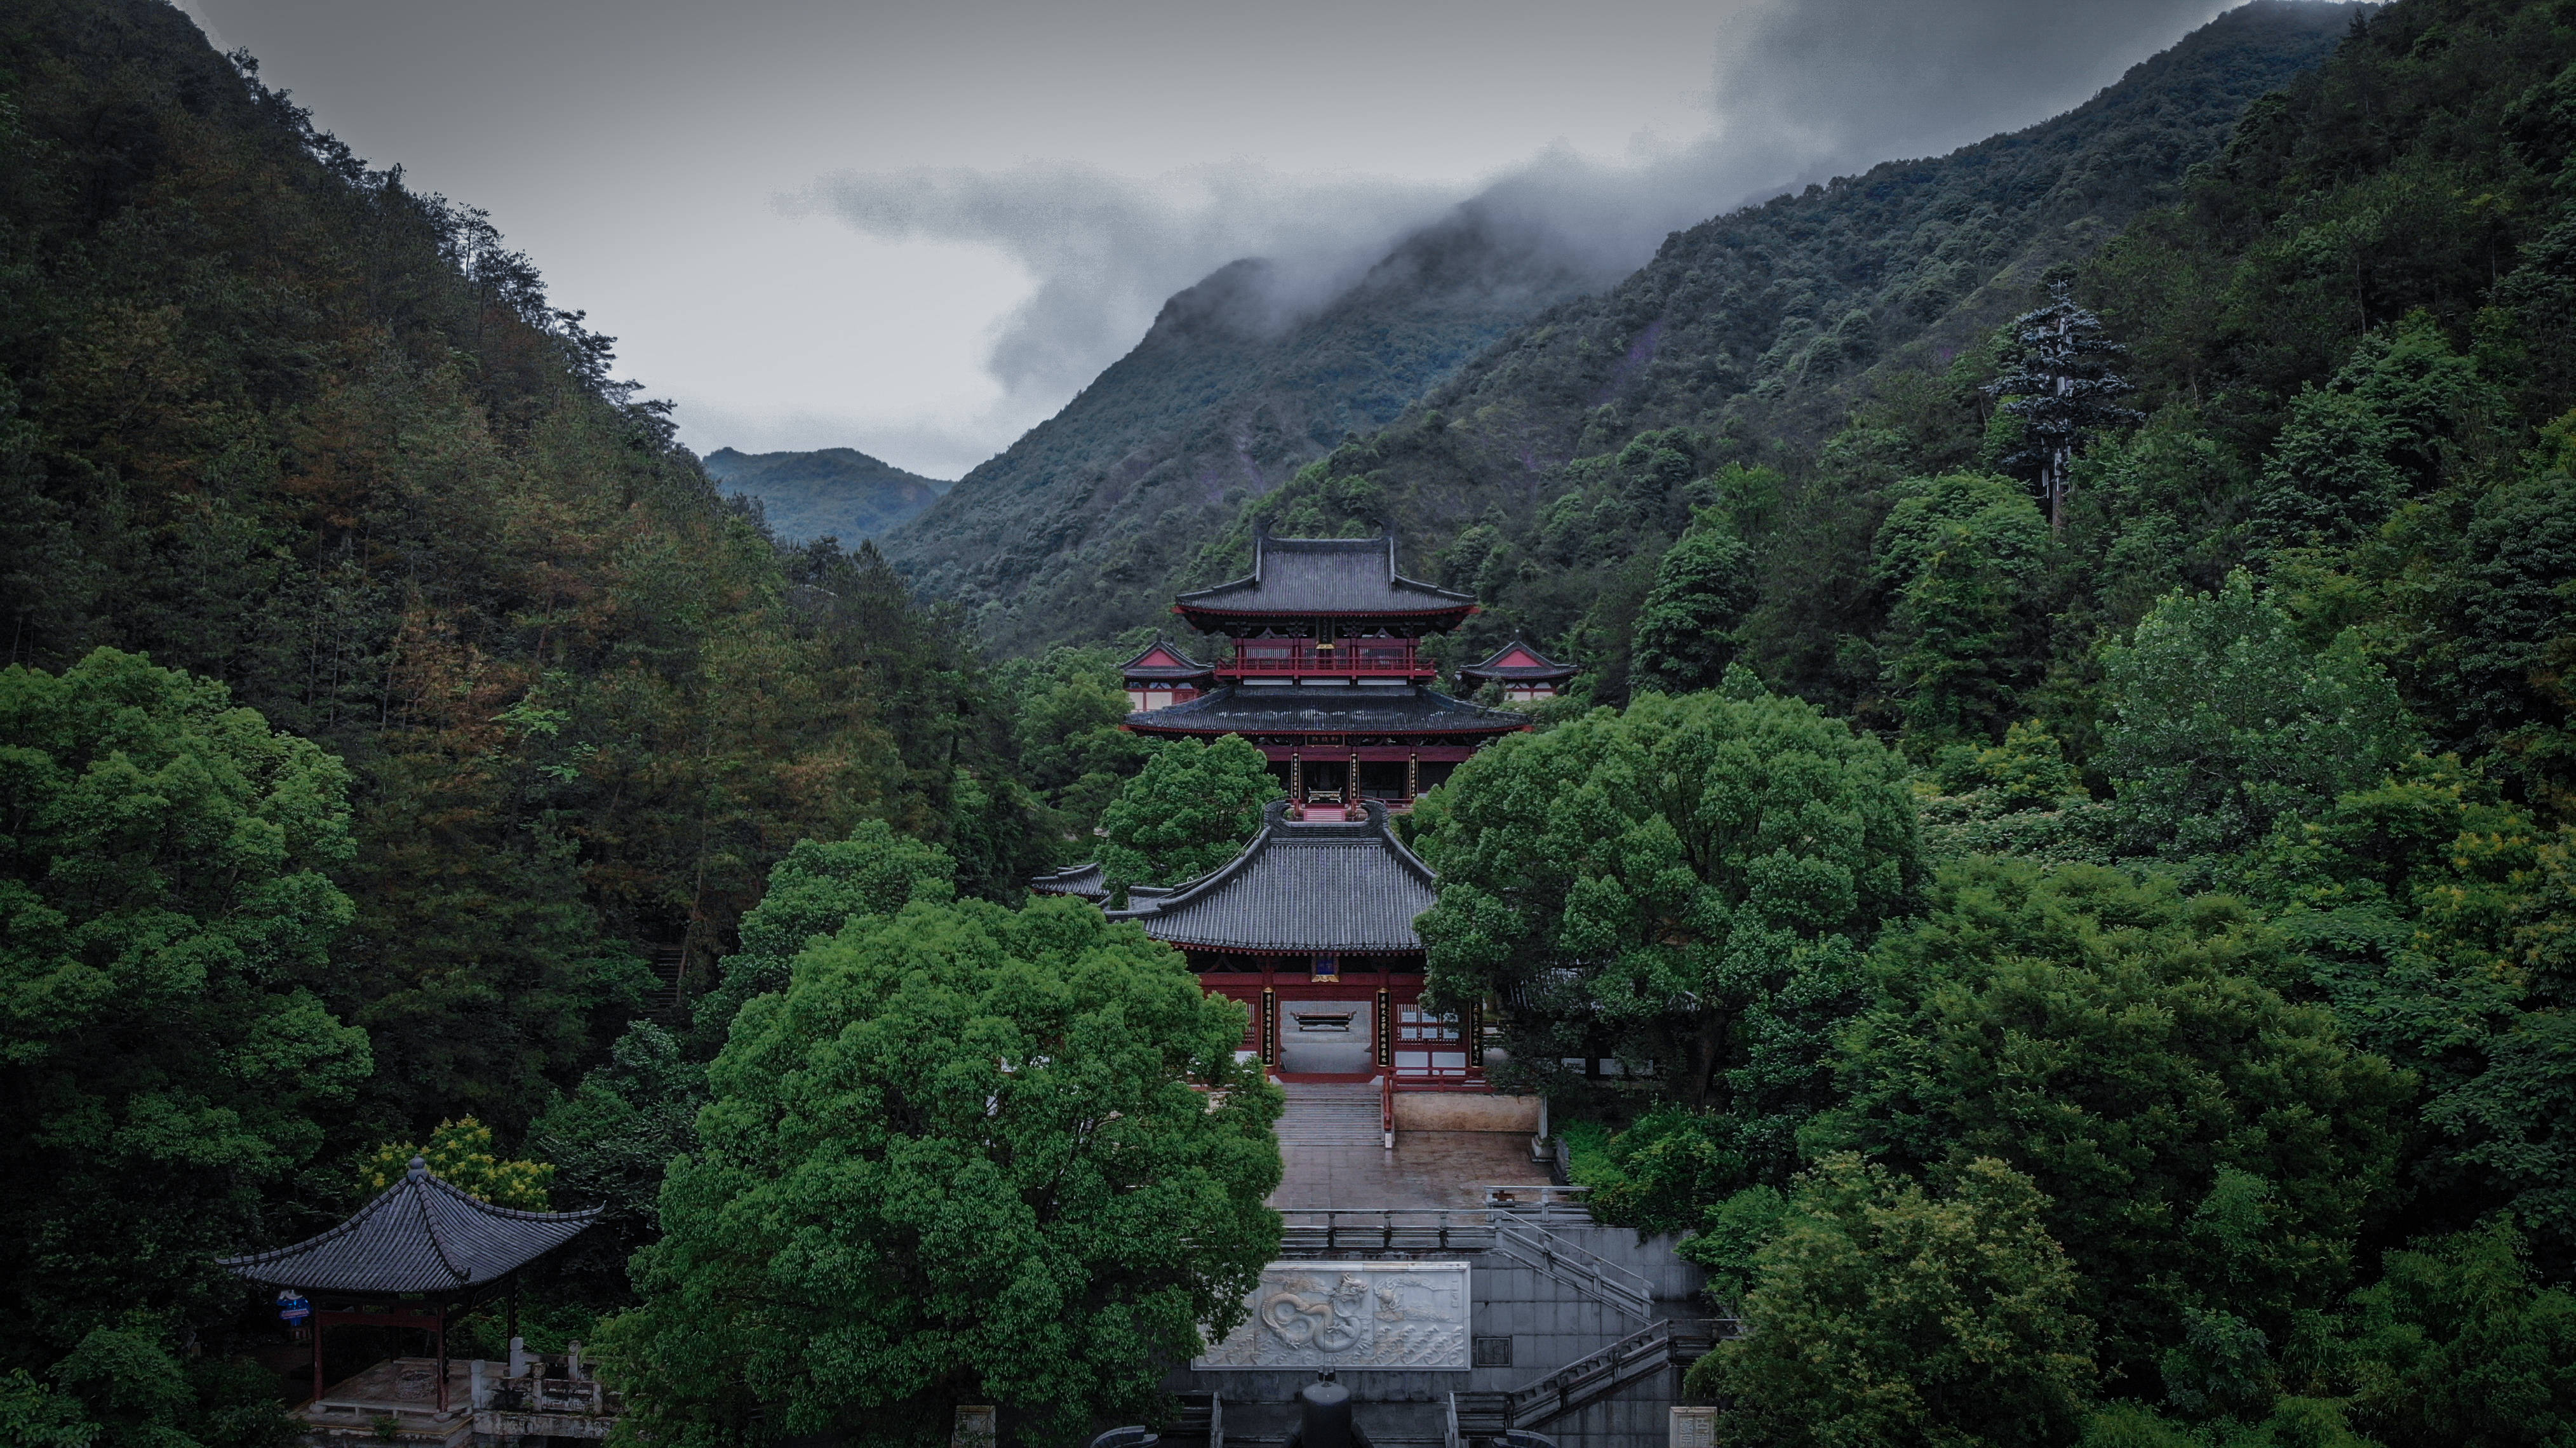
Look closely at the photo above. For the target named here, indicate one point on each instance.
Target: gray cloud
(1800, 90)
(1105, 251)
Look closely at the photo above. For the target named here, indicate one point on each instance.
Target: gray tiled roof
(1300, 886)
(1083, 880)
(1309, 576)
(1327, 709)
(420, 1235)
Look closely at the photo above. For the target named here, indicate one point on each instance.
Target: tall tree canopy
(168, 940)
(1190, 809)
(969, 1155)
(1689, 884)
(2206, 1144)
(2223, 721)
(1685, 630)
(1887, 1315)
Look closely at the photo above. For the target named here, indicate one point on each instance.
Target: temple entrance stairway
(1580, 1332)
(1330, 1113)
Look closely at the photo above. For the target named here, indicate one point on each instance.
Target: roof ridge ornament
(419, 1168)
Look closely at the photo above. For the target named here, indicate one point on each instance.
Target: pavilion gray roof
(1327, 709)
(1304, 577)
(1301, 886)
(1085, 881)
(419, 1235)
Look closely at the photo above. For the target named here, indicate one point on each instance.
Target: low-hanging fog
(918, 230)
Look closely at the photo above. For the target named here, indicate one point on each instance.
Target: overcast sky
(917, 229)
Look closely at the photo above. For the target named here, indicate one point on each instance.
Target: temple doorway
(1327, 1037)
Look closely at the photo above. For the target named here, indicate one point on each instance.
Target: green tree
(610, 1141)
(2205, 1143)
(969, 1155)
(815, 890)
(2222, 722)
(2457, 1345)
(1687, 884)
(165, 878)
(462, 1154)
(1883, 1315)
(131, 1385)
(1189, 810)
(2391, 424)
(1960, 554)
(2060, 387)
(1685, 631)
(1066, 710)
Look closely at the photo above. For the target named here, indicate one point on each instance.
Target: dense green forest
(2165, 978)
(396, 718)
(2084, 974)
(837, 492)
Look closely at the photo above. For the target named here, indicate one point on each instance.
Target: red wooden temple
(1328, 678)
(1311, 928)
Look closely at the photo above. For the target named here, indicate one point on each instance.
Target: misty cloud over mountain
(1800, 90)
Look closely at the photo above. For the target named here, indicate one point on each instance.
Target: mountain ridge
(1230, 391)
(833, 492)
(1772, 318)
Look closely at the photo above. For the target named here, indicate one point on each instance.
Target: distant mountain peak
(836, 492)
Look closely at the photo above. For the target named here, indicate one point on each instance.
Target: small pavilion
(1161, 675)
(422, 1255)
(1522, 672)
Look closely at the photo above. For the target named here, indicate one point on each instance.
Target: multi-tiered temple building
(1311, 927)
(1327, 677)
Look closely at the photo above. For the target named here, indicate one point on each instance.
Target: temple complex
(1495, 1309)
(1327, 677)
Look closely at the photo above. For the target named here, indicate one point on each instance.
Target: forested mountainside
(1771, 314)
(2387, 216)
(1076, 530)
(2265, 740)
(549, 707)
(836, 492)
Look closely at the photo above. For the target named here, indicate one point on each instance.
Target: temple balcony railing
(1352, 659)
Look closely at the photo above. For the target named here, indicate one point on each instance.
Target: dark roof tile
(1326, 709)
(420, 1235)
(1300, 886)
(1310, 576)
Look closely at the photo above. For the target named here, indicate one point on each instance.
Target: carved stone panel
(1402, 1315)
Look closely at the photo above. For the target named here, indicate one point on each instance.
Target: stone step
(1331, 1114)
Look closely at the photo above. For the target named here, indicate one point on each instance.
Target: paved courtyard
(1426, 1169)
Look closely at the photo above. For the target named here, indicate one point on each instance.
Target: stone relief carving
(1395, 1315)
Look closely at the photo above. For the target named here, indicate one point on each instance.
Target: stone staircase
(1330, 1114)
(1663, 1344)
